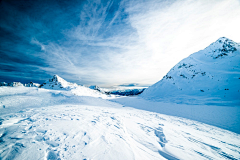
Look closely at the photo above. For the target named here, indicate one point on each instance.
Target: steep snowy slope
(210, 76)
(58, 83)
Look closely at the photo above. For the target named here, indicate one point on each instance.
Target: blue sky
(108, 43)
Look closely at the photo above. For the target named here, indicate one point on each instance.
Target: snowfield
(47, 124)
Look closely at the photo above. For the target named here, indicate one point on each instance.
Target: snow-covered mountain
(58, 83)
(31, 84)
(11, 84)
(209, 76)
(19, 84)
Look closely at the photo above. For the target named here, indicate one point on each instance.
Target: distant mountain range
(17, 84)
(122, 92)
(209, 76)
(58, 83)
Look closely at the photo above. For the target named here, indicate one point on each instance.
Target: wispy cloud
(114, 42)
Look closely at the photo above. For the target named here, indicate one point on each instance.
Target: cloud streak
(109, 42)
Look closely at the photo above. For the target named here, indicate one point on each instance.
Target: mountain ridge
(210, 75)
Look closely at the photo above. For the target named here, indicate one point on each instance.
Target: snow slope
(47, 124)
(210, 76)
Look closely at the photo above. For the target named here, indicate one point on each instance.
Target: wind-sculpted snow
(55, 124)
(210, 76)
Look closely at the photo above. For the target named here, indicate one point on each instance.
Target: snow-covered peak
(57, 82)
(56, 78)
(221, 48)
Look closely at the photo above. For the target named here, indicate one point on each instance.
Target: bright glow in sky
(115, 42)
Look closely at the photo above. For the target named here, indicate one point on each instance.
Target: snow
(217, 66)
(179, 117)
(226, 117)
(39, 123)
